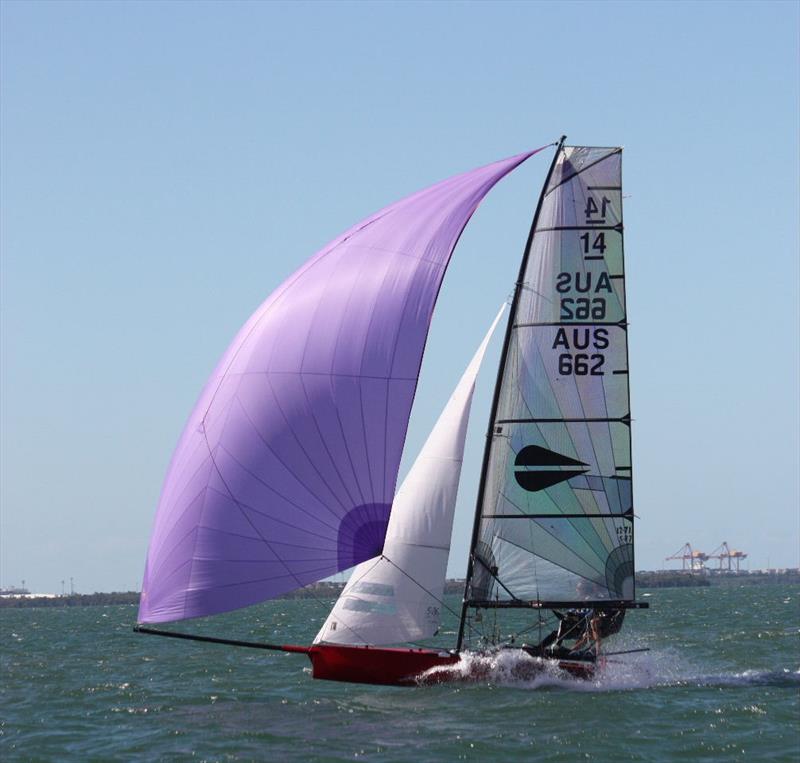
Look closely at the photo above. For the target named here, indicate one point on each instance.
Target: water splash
(658, 668)
(504, 667)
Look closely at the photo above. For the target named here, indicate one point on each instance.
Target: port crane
(691, 560)
(727, 557)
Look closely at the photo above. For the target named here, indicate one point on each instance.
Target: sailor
(579, 623)
(591, 631)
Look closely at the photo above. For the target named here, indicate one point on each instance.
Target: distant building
(13, 591)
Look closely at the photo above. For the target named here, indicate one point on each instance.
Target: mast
(496, 397)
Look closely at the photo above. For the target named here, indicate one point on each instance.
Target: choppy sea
(721, 682)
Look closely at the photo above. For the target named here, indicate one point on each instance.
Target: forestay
(556, 512)
(397, 597)
(286, 469)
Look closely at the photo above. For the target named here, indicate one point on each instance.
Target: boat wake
(654, 669)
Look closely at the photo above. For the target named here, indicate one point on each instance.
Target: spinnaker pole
(226, 641)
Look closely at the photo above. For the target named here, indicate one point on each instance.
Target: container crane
(692, 560)
(727, 557)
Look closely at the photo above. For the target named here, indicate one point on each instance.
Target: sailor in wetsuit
(577, 623)
(590, 621)
(572, 626)
(587, 626)
(598, 624)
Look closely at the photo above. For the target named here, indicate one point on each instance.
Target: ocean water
(721, 682)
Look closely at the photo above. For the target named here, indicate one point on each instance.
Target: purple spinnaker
(286, 469)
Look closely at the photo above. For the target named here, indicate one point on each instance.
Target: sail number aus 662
(581, 363)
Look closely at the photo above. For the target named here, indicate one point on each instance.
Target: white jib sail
(397, 596)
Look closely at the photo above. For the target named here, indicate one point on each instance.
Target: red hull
(405, 667)
(372, 665)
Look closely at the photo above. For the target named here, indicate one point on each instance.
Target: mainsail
(554, 519)
(286, 469)
(397, 597)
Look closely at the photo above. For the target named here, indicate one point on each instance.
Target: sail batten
(555, 515)
(295, 442)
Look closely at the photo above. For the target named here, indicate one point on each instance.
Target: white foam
(513, 667)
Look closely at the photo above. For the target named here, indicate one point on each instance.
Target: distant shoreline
(644, 580)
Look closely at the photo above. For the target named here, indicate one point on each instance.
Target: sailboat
(285, 473)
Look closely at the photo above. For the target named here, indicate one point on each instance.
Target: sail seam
(205, 496)
(367, 459)
(206, 461)
(289, 471)
(299, 444)
(283, 289)
(255, 528)
(280, 495)
(207, 528)
(312, 322)
(246, 507)
(336, 374)
(347, 445)
(364, 443)
(400, 252)
(324, 443)
(531, 551)
(558, 540)
(547, 559)
(290, 576)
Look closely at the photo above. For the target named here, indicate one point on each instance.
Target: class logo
(538, 468)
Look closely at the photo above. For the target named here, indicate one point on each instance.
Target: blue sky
(166, 165)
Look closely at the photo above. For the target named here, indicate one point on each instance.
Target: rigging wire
(417, 583)
(366, 572)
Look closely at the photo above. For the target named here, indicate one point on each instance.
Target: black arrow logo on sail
(536, 456)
